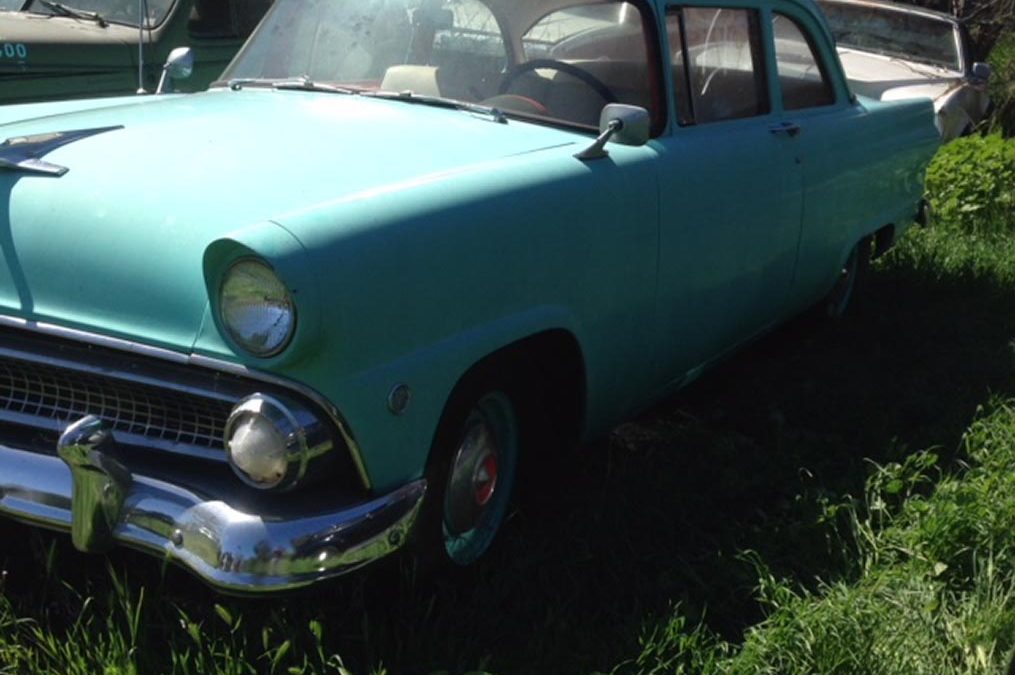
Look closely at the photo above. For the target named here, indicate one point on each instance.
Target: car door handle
(790, 129)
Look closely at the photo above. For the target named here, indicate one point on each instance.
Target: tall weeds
(931, 589)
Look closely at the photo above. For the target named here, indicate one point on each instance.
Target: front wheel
(470, 477)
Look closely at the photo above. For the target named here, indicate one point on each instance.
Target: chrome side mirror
(620, 123)
(634, 121)
(981, 71)
(178, 66)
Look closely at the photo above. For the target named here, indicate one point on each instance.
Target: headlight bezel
(230, 332)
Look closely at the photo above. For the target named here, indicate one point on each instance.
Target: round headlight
(256, 308)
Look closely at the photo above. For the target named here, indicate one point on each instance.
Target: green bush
(971, 183)
(1002, 85)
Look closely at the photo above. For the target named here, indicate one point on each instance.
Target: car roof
(519, 15)
(896, 7)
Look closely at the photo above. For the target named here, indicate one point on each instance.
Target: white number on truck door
(13, 50)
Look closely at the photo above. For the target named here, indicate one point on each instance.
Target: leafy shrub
(1002, 85)
(971, 183)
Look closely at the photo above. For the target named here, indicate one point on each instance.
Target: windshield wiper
(64, 10)
(303, 83)
(440, 102)
(909, 61)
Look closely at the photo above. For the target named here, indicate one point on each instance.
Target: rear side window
(718, 69)
(802, 76)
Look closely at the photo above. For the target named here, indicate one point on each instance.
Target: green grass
(930, 587)
(837, 498)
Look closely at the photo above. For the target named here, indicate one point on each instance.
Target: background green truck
(90, 48)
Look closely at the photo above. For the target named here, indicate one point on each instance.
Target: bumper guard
(87, 492)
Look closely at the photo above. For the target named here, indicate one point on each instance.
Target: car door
(730, 189)
(820, 123)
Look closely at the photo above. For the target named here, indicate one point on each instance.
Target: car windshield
(547, 60)
(116, 11)
(894, 33)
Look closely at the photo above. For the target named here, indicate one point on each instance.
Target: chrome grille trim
(47, 396)
(93, 339)
(42, 390)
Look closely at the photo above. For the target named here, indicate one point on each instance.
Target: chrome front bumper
(102, 502)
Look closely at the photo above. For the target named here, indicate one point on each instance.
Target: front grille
(154, 400)
(46, 393)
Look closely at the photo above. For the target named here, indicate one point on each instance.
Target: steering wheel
(584, 76)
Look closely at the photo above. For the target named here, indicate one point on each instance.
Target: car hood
(115, 244)
(887, 78)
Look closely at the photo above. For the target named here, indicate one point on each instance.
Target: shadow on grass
(651, 518)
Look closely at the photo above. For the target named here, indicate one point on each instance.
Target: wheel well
(884, 239)
(546, 375)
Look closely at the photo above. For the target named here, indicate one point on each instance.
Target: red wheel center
(485, 481)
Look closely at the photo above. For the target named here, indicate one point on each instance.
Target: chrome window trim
(200, 361)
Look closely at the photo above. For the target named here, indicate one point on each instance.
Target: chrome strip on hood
(22, 153)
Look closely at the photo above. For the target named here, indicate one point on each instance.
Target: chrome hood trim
(24, 153)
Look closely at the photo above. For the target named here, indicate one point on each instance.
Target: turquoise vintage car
(402, 248)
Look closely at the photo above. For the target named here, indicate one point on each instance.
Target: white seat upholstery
(417, 79)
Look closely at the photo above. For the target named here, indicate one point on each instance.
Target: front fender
(421, 282)
(396, 446)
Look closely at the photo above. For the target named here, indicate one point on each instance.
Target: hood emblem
(22, 153)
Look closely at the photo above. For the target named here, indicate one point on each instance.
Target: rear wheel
(844, 296)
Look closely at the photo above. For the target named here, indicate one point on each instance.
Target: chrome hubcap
(484, 482)
(473, 480)
(480, 478)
